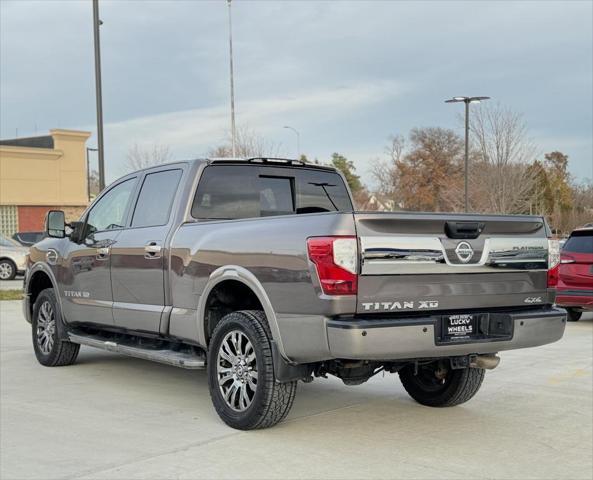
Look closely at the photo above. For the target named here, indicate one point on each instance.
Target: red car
(575, 279)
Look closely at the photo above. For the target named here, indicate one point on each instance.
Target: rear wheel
(50, 349)
(241, 378)
(7, 269)
(573, 315)
(438, 385)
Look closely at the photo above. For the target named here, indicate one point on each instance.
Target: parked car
(28, 238)
(261, 271)
(575, 280)
(13, 258)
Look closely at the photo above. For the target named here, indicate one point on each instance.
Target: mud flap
(286, 372)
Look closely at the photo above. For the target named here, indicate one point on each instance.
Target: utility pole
(467, 101)
(99, 99)
(233, 128)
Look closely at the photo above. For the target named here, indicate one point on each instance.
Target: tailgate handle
(464, 229)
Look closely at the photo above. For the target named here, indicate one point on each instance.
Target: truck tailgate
(424, 262)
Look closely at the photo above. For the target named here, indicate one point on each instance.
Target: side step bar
(166, 356)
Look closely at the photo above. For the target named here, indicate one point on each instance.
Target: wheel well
(39, 282)
(226, 297)
(7, 259)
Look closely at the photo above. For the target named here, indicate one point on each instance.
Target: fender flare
(239, 274)
(27, 307)
(40, 266)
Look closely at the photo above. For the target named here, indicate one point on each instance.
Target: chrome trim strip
(389, 255)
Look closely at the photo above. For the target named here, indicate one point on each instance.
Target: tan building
(41, 173)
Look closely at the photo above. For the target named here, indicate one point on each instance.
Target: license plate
(460, 326)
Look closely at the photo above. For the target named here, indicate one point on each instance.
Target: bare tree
(248, 144)
(385, 173)
(143, 157)
(501, 180)
(425, 177)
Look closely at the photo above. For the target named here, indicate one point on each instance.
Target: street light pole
(88, 171)
(99, 99)
(298, 140)
(233, 128)
(466, 175)
(466, 101)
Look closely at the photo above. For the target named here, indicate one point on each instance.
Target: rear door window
(580, 242)
(153, 206)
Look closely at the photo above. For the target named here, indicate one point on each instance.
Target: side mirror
(55, 224)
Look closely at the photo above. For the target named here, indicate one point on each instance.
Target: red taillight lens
(553, 276)
(336, 261)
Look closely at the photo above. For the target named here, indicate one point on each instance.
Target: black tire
(573, 315)
(270, 401)
(50, 349)
(453, 388)
(8, 266)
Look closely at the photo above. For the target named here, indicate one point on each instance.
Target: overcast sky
(345, 74)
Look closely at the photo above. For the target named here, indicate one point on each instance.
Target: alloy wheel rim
(46, 327)
(236, 371)
(5, 270)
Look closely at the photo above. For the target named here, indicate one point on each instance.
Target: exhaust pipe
(488, 362)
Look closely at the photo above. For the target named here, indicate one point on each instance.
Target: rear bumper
(393, 339)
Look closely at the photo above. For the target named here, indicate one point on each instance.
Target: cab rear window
(580, 242)
(229, 192)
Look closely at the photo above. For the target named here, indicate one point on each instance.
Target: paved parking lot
(110, 416)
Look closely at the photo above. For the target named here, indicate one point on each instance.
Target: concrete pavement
(110, 416)
(16, 284)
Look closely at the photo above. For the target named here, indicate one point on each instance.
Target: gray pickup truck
(261, 271)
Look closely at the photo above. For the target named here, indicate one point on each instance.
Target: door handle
(103, 253)
(152, 250)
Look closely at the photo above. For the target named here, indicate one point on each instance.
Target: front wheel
(573, 315)
(241, 378)
(50, 349)
(436, 384)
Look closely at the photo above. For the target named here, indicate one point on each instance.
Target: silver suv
(13, 258)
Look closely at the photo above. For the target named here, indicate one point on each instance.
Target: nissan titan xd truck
(261, 271)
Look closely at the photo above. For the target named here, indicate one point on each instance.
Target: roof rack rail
(269, 160)
(274, 160)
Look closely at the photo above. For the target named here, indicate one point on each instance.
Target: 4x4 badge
(464, 251)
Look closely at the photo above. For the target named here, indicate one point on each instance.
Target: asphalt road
(110, 416)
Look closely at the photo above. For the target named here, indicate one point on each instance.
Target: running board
(166, 356)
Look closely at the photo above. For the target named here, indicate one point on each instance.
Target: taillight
(553, 263)
(336, 261)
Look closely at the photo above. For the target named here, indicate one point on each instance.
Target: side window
(153, 206)
(275, 196)
(110, 210)
(227, 192)
(321, 192)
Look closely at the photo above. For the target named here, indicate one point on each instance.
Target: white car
(13, 258)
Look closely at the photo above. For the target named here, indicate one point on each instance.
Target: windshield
(8, 242)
